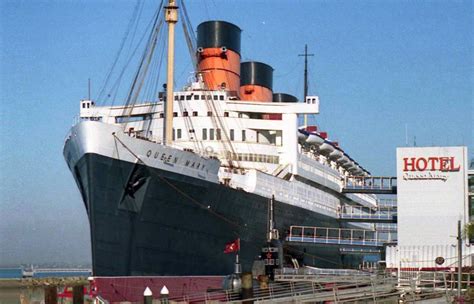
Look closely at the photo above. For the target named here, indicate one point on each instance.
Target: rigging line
(117, 56)
(189, 34)
(116, 85)
(202, 206)
(137, 84)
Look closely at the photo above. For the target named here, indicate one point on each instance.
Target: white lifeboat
(302, 136)
(326, 148)
(336, 154)
(315, 139)
(343, 160)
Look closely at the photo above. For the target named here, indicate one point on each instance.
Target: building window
(204, 134)
(211, 134)
(174, 134)
(195, 113)
(221, 97)
(83, 105)
(185, 113)
(196, 97)
(215, 97)
(175, 114)
(243, 135)
(209, 113)
(178, 134)
(188, 97)
(218, 134)
(181, 97)
(162, 115)
(175, 97)
(203, 97)
(226, 114)
(232, 134)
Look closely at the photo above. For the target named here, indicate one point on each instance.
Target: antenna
(305, 77)
(88, 89)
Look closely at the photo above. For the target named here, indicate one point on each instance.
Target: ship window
(175, 114)
(162, 115)
(243, 135)
(185, 113)
(218, 134)
(211, 134)
(196, 97)
(175, 97)
(203, 97)
(181, 97)
(226, 114)
(195, 113)
(83, 105)
(209, 97)
(209, 113)
(204, 134)
(215, 97)
(221, 97)
(231, 134)
(178, 134)
(188, 97)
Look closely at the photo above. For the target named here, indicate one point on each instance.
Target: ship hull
(178, 225)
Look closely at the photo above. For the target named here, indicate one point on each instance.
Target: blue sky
(378, 66)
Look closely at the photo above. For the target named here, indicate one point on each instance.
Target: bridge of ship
(337, 236)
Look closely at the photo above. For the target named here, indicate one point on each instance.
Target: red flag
(232, 246)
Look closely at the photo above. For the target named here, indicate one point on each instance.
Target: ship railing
(300, 290)
(336, 236)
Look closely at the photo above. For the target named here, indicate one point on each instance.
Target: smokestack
(218, 51)
(282, 97)
(256, 82)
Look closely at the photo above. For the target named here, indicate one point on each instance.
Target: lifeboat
(343, 160)
(336, 154)
(302, 136)
(315, 139)
(326, 148)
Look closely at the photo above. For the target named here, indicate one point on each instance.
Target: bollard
(164, 294)
(78, 294)
(147, 296)
(247, 287)
(51, 295)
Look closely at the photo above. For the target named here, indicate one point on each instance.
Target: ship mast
(305, 78)
(171, 17)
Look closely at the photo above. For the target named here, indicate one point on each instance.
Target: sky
(385, 72)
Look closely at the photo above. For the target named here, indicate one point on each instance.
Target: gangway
(370, 184)
(367, 214)
(335, 236)
(382, 227)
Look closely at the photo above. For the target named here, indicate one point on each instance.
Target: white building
(432, 197)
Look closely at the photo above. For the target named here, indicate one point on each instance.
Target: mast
(171, 17)
(305, 77)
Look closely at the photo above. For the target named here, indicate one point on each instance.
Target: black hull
(146, 221)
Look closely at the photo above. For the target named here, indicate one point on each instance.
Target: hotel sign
(433, 167)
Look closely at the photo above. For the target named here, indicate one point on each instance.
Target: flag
(232, 246)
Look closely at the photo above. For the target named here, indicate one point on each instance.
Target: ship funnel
(282, 97)
(256, 82)
(218, 50)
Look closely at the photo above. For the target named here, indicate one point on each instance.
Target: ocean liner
(167, 183)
